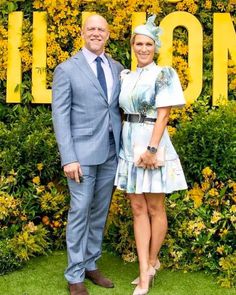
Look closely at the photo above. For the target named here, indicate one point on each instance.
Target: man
(87, 125)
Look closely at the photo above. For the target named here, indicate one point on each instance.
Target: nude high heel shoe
(156, 267)
(151, 274)
(140, 291)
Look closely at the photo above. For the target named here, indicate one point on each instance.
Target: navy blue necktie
(101, 75)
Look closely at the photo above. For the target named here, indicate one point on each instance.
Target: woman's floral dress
(143, 91)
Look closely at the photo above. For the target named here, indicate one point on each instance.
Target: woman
(148, 166)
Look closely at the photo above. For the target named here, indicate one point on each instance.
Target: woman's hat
(150, 30)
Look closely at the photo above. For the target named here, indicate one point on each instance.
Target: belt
(138, 118)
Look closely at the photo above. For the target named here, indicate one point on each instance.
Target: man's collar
(90, 56)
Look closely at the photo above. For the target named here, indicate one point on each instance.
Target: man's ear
(108, 35)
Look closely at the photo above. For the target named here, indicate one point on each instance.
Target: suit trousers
(89, 205)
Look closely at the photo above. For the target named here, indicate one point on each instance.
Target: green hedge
(209, 140)
(26, 139)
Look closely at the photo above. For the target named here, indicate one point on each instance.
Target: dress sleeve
(123, 74)
(168, 90)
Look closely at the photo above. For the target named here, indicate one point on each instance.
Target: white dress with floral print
(143, 91)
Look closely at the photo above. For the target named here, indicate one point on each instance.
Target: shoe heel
(153, 281)
(157, 265)
(152, 274)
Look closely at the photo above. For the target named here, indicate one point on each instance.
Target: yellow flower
(36, 180)
(213, 192)
(233, 209)
(23, 217)
(129, 257)
(214, 202)
(40, 166)
(221, 6)
(216, 217)
(171, 130)
(30, 227)
(8, 206)
(199, 226)
(10, 179)
(207, 172)
(40, 189)
(195, 227)
(52, 202)
(232, 84)
(196, 194)
(223, 233)
(220, 249)
(233, 219)
(211, 231)
(208, 4)
(12, 172)
(205, 186)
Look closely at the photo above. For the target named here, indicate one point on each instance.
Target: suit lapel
(86, 69)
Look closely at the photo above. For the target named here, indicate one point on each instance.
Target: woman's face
(144, 49)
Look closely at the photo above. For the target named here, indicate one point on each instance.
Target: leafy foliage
(209, 140)
(9, 262)
(26, 139)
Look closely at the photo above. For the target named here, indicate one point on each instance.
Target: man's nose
(96, 32)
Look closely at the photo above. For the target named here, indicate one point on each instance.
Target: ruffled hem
(166, 179)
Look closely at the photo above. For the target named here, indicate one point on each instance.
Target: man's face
(95, 34)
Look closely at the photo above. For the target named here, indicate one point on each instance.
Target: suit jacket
(81, 112)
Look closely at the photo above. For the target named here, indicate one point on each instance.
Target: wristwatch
(152, 149)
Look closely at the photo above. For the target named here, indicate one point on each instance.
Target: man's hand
(73, 171)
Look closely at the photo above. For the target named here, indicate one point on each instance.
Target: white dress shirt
(90, 57)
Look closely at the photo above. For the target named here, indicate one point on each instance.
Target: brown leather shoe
(77, 289)
(97, 278)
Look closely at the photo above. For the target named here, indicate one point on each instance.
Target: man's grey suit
(83, 120)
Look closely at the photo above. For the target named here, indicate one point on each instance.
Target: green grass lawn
(44, 276)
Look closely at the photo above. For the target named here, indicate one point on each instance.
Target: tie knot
(98, 59)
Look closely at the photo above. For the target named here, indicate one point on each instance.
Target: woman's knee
(156, 210)
(156, 207)
(138, 205)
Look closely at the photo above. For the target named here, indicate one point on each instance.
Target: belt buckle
(141, 117)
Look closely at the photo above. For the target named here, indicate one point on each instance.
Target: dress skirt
(166, 179)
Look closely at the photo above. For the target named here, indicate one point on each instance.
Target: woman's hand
(147, 160)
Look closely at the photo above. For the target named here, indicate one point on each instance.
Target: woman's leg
(142, 233)
(157, 213)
